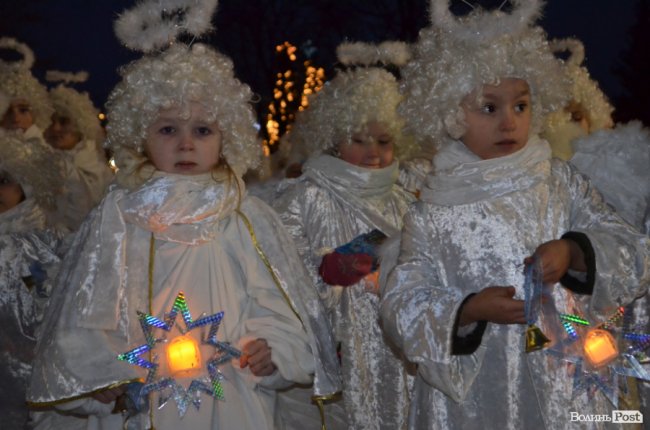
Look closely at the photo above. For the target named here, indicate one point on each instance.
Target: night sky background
(74, 35)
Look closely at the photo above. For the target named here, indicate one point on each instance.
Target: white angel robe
(477, 221)
(27, 250)
(205, 247)
(329, 205)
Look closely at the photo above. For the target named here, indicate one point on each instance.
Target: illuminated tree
(294, 82)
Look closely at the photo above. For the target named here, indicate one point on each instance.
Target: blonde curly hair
(77, 107)
(344, 106)
(450, 64)
(18, 83)
(175, 78)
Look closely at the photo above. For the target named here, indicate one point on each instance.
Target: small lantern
(600, 347)
(183, 356)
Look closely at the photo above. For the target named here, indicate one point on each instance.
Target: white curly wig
(345, 105)
(458, 56)
(17, 82)
(175, 78)
(31, 165)
(584, 89)
(78, 107)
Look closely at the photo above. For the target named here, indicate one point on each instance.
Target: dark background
(74, 35)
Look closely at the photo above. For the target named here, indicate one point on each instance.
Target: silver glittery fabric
(331, 204)
(453, 249)
(24, 260)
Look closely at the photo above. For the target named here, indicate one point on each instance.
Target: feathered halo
(365, 54)
(28, 55)
(155, 24)
(574, 47)
(66, 77)
(485, 27)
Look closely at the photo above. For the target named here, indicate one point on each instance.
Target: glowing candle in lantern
(600, 347)
(183, 356)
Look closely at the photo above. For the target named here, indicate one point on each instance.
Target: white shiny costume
(86, 177)
(203, 247)
(27, 250)
(477, 221)
(329, 205)
(616, 161)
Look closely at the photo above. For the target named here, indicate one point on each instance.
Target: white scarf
(176, 208)
(461, 177)
(353, 186)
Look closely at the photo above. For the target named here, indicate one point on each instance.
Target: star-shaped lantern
(602, 354)
(182, 357)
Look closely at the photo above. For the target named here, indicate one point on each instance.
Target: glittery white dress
(329, 205)
(477, 221)
(203, 247)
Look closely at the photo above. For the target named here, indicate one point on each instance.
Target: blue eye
(168, 129)
(204, 131)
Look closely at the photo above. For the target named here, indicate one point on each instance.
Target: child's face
(61, 133)
(371, 148)
(499, 124)
(18, 116)
(11, 193)
(183, 146)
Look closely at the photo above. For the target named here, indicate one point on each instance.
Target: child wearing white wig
(29, 110)
(588, 109)
(179, 221)
(76, 135)
(495, 202)
(348, 188)
(28, 250)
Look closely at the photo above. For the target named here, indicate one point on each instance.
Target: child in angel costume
(497, 202)
(348, 189)
(182, 301)
(615, 157)
(28, 252)
(76, 135)
(29, 109)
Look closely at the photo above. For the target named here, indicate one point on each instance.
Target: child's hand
(556, 257)
(493, 304)
(109, 394)
(257, 355)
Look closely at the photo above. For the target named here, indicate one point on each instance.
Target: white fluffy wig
(30, 164)
(459, 55)
(343, 107)
(175, 78)
(78, 107)
(584, 89)
(17, 82)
